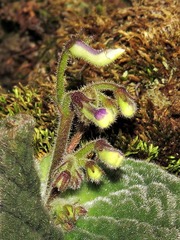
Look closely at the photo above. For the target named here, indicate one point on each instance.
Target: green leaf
(23, 215)
(141, 202)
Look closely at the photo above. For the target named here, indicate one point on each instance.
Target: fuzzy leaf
(23, 215)
(142, 203)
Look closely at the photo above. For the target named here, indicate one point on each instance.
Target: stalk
(66, 118)
(60, 88)
(61, 140)
(103, 86)
(85, 150)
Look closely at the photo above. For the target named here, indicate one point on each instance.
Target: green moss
(25, 99)
(139, 148)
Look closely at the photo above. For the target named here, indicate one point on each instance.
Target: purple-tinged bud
(112, 157)
(62, 181)
(69, 174)
(125, 102)
(80, 211)
(100, 113)
(78, 98)
(93, 171)
(102, 117)
(98, 58)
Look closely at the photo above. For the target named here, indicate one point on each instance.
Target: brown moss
(149, 32)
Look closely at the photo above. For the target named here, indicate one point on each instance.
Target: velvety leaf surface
(23, 215)
(142, 203)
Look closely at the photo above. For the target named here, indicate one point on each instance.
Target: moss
(149, 32)
(29, 100)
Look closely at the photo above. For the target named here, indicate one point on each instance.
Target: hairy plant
(105, 190)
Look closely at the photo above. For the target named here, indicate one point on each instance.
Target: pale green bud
(127, 109)
(93, 171)
(112, 157)
(125, 102)
(95, 57)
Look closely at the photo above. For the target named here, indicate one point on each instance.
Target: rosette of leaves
(141, 203)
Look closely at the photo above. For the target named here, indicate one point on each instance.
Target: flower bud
(69, 211)
(66, 212)
(76, 179)
(98, 58)
(78, 99)
(125, 102)
(69, 174)
(102, 117)
(112, 157)
(93, 171)
(62, 181)
(80, 211)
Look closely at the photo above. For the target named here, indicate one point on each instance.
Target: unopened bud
(93, 171)
(112, 157)
(98, 58)
(102, 117)
(62, 181)
(80, 211)
(125, 102)
(78, 98)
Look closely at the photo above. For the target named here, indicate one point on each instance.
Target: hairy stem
(66, 117)
(59, 149)
(103, 86)
(86, 149)
(61, 140)
(60, 88)
(74, 141)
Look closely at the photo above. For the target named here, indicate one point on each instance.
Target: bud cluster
(103, 110)
(75, 167)
(100, 115)
(68, 175)
(67, 214)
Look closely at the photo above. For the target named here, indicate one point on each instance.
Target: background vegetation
(32, 34)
